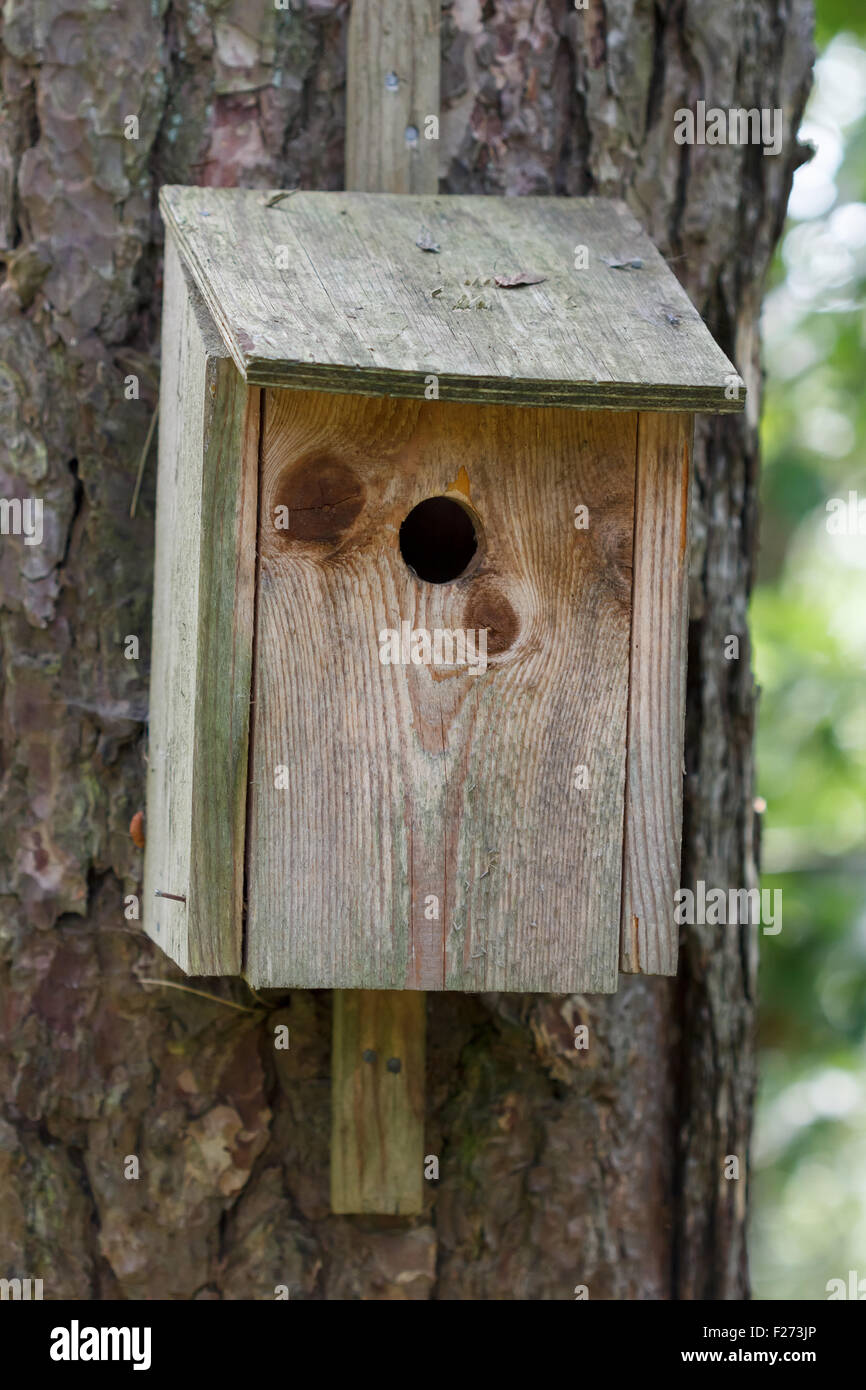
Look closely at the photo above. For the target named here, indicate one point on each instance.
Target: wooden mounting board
(377, 1134)
(377, 1102)
(329, 291)
(380, 791)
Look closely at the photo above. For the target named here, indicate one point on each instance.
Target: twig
(187, 989)
(276, 198)
(143, 459)
(264, 1003)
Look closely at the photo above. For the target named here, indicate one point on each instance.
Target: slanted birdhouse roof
(336, 292)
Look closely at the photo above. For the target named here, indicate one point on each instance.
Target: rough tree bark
(557, 1167)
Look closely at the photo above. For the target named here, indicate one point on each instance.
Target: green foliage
(839, 17)
(809, 625)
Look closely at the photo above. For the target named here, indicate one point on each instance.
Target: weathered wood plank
(426, 831)
(392, 86)
(388, 41)
(202, 640)
(329, 291)
(377, 1100)
(657, 696)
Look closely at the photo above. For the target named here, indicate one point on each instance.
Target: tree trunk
(558, 1167)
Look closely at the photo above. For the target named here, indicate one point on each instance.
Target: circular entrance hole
(438, 540)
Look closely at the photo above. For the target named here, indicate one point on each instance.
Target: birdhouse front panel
(440, 695)
(421, 598)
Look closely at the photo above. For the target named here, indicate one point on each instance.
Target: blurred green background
(809, 631)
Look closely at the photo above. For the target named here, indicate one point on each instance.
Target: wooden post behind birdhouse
(392, 90)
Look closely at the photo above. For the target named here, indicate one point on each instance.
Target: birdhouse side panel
(657, 695)
(432, 809)
(202, 640)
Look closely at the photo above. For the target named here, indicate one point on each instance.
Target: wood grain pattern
(377, 1101)
(388, 41)
(657, 696)
(202, 640)
(392, 86)
(414, 785)
(350, 303)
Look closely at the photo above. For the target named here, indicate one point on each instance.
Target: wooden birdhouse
(421, 591)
